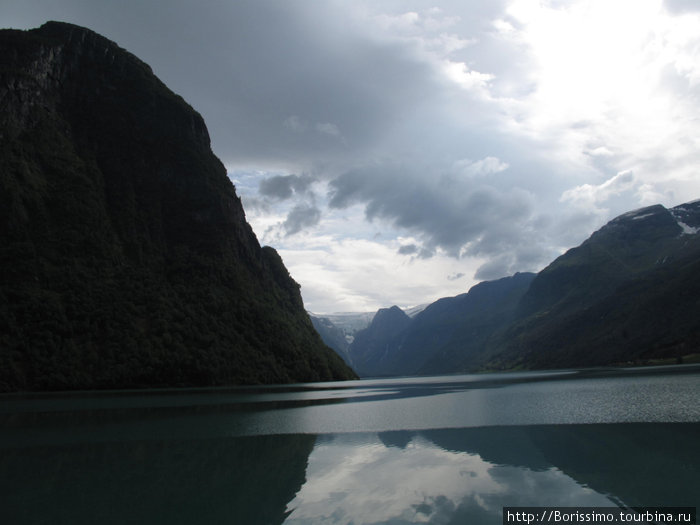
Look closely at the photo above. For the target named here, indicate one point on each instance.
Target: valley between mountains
(629, 294)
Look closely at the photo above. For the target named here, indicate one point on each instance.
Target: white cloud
(483, 167)
(590, 196)
(364, 275)
(600, 151)
(465, 77)
(600, 72)
(648, 195)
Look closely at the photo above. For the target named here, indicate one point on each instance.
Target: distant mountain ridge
(432, 342)
(371, 351)
(629, 293)
(338, 330)
(125, 257)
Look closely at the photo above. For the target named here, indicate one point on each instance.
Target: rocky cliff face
(126, 257)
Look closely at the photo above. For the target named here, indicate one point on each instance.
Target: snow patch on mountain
(687, 230)
(679, 214)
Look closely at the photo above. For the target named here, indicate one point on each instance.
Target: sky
(396, 152)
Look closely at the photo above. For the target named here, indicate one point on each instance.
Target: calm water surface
(453, 449)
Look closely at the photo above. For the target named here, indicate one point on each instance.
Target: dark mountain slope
(476, 319)
(126, 260)
(629, 245)
(446, 337)
(452, 332)
(371, 350)
(630, 293)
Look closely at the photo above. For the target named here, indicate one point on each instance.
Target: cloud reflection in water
(401, 477)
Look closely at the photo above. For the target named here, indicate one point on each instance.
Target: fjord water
(453, 449)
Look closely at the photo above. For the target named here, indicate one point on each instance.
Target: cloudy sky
(395, 152)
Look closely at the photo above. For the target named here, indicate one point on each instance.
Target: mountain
(338, 330)
(470, 324)
(126, 260)
(629, 245)
(448, 335)
(628, 294)
(371, 350)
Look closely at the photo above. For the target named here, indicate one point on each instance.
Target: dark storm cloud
(296, 190)
(448, 212)
(285, 186)
(277, 82)
(494, 269)
(300, 217)
(288, 83)
(408, 249)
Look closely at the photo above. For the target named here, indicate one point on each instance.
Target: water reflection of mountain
(252, 479)
(203, 481)
(638, 464)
